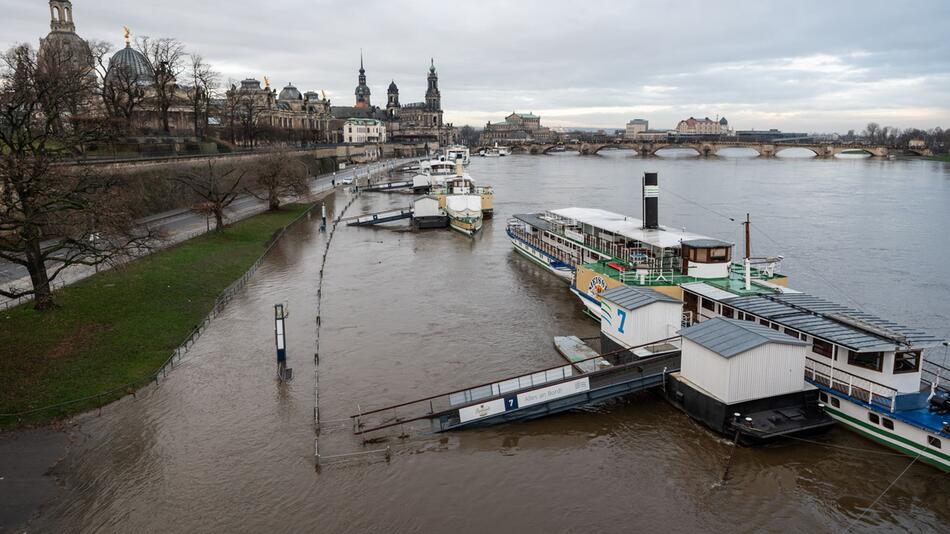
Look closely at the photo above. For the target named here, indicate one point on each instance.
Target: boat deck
(582, 356)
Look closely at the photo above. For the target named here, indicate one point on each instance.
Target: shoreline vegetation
(117, 327)
(941, 157)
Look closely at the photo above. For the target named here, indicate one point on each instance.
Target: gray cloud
(813, 66)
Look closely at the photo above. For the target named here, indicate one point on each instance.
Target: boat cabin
(706, 258)
(636, 316)
(868, 357)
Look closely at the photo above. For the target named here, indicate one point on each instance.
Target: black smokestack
(651, 200)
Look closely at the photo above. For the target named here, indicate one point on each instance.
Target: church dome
(289, 93)
(392, 87)
(723, 121)
(131, 63)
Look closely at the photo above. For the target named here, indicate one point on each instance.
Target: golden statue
(128, 34)
(266, 83)
(323, 94)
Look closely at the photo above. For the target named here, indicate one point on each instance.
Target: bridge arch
(813, 150)
(615, 146)
(718, 148)
(675, 146)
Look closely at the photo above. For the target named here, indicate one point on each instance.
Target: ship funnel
(651, 201)
(459, 168)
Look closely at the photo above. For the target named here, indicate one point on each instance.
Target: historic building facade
(417, 122)
(706, 126)
(299, 116)
(517, 128)
(364, 131)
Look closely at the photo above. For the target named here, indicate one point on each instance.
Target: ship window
(795, 334)
(868, 360)
(906, 362)
(888, 424)
(872, 417)
(774, 326)
(719, 254)
(822, 348)
(709, 304)
(763, 322)
(933, 442)
(727, 312)
(823, 397)
(835, 402)
(750, 317)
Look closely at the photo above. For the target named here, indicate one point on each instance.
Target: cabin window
(933, 442)
(823, 397)
(763, 322)
(872, 417)
(835, 402)
(709, 304)
(750, 317)
(728, 312)
(906, 362)
(888, 424)
(868, 360)
(822, 348)
(719, 254)
(774, 326)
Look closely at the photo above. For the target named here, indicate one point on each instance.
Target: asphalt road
(181, 224)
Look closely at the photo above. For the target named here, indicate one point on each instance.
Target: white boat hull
(905, 438)
(591, 304)
(542, 259)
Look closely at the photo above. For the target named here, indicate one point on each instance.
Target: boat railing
(540, 244)
(934, 376)
(852, 385)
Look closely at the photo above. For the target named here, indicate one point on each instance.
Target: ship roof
(817, 317)
(632, 298)
(629, 227)
(534, 219)
(729, 337)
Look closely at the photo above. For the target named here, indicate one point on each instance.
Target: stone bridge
(711, 148)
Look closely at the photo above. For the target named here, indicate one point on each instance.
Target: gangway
(388, 186)
(379, 217)
(527, 396)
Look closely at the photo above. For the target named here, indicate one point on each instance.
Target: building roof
(289, 93)
(629, 227)
(730, 337)
(392, 87)
(832, 322)
(632, 298)
(525, 115)
(131, 63)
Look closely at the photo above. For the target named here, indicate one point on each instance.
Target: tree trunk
(43, 293)
(218, 219)
(273, 199)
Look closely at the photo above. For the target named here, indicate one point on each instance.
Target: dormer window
(906, 362)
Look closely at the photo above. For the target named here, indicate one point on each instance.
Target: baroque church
(416, 122)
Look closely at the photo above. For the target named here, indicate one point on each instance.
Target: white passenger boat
(458, 152)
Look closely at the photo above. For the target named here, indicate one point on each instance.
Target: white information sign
(553, 392)
(479, 411)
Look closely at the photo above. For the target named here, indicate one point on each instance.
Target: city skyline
(828, 68)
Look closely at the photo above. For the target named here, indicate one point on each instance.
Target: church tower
(392, 100)
(362, 90)
(61, 16)
(433, 97)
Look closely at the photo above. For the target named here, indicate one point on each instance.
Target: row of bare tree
(54, 214)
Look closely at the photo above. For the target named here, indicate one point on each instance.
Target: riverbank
(119, 326)
(942, 157)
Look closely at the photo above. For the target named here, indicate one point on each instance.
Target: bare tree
(166, 61)
(872, 131)
(278, 174)
(217, 186)
(250, 114)
(204, 82)
(122, 88)
(229, 112)
(54, 215)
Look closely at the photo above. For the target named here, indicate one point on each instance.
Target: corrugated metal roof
(705, 290)
(706, 243)
(533, 219)
(632, 298)
(832, 322)
(730, 337)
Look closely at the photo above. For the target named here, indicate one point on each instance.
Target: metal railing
(852, 385)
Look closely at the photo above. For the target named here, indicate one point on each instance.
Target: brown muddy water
(222, 446)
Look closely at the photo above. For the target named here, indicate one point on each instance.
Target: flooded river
(221, 446)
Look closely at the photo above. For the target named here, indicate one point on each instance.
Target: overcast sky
(800, 66)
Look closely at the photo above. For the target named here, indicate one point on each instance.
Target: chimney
(651, 201)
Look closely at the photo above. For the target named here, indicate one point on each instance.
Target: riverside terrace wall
(149, 177)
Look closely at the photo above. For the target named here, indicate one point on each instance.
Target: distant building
(364, 131)
(917, 143)
(635, 127)
(517, 128)
(706, 126)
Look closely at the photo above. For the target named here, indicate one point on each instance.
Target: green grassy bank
(942, 157)
(119, 326)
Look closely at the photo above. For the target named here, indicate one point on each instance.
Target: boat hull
(550, 263)
(433, 221)
(904, 438)
(467, 227)
(591, 304)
